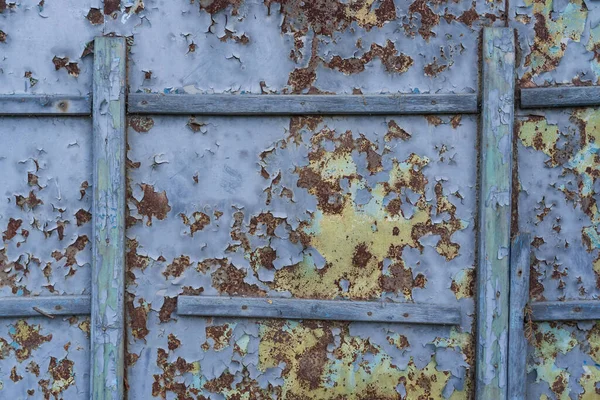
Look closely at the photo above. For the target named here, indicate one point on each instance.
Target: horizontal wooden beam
(49, 306)
(337, 310)
(14, 105)
(585, 310)
(229, 104)
(561, 96)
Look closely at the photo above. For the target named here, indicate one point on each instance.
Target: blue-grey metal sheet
(45, 180)
(304, 207)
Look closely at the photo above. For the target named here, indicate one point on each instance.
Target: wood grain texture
(562, 96)
(12, 105)
(519, 296)
(495, 182)
(341, 310)
(108, 263)
(585, 310)
(217, 104)
(36, 306)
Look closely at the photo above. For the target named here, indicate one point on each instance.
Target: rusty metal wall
(558, 170)
(46, 230)
(307, 207)
(357, 208)
(227, 206)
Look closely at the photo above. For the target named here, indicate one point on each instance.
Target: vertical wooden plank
(494, 212)
(519, 296)
(108, 264)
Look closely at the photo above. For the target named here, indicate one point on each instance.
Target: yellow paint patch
(316, 368)
(552, 31)
(589, 381)
(537, 133)
(548, 342)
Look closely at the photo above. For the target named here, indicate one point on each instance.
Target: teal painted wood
(336, 310)
(519, 296)
(108, 265)
(495, 172)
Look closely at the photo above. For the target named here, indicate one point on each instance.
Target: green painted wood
(495, 172)
(108, 264)
(519, 296)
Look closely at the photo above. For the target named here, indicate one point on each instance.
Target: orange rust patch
(138, 317)
(31, 201)
(177, 267)
(11, 229)
(153, 204)
(200, 221)
(83, 216)
(168, 307)
(141, 124)
(230, 280)
(396, 132)
(27, 338)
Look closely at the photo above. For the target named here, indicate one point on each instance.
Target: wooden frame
(495, 183)
(48, 306)
(365, 311)
(266, 105)
(108, 216)
(560, 96)
(584, 310)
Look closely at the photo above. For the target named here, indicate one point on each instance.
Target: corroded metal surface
(42, 358)
(305, 207)
(258, 46)
(558, 177)
(335, 46)
(559, 41)
(45, 224)
(44, 46)
(45, 211)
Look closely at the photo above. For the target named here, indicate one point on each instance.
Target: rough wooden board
(588, 310)
(565, 96)
(301, 104)
(494, 213)
(108, 264)
(35, 306)
(519, 296)
(12, 105)
(341, 310)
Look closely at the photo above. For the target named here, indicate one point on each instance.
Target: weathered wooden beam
(519, 296)
(584, 310)
(264, 105)
(561, 96)
(342, 310)
(108, 211)
(495, 181)
(49, 306)
(24, 105)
